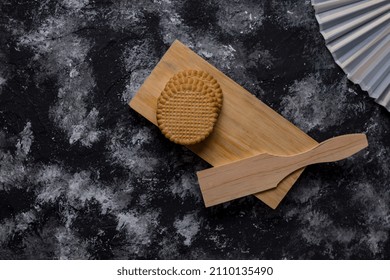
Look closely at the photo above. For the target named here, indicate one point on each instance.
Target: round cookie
(189, 106)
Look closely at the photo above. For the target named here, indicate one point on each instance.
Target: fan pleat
(384, 98)
(381, 83)
(326, 5)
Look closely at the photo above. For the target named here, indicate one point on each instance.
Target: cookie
(189, 106)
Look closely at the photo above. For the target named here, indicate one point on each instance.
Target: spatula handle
(331, 150)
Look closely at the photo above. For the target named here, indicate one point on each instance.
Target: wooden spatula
(262, 172)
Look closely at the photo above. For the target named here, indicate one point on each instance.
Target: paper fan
(357, 33)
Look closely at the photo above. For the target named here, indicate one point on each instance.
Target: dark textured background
(84, 177)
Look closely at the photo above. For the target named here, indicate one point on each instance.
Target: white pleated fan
(357, 33)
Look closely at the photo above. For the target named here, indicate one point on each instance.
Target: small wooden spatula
(262, 172)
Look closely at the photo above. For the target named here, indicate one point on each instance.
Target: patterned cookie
(188, 107)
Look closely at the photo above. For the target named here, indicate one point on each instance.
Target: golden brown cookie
(188, 107)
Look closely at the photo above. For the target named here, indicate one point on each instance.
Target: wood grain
(264, 171)
(246, 126)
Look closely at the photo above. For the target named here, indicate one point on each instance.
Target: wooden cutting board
(246, 126)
